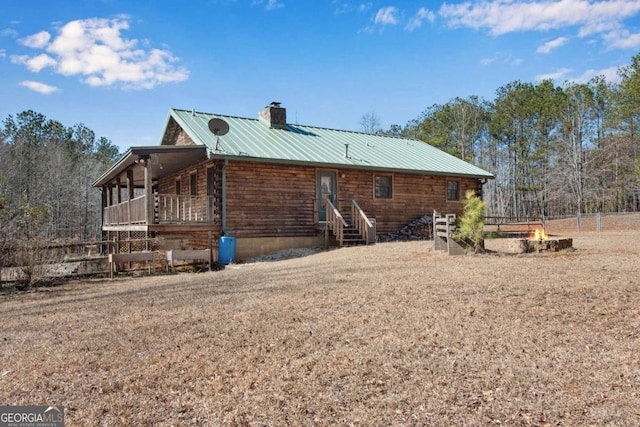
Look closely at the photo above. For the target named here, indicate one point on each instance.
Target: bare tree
(45, 181)
(370, 123)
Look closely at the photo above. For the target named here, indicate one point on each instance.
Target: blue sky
(118, 66)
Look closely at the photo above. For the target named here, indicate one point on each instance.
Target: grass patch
(391, 334)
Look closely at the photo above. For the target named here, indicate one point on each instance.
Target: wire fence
(599, 221)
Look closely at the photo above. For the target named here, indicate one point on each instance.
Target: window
(178, 187)
(453, 190)
(194, 184)
(383, 186)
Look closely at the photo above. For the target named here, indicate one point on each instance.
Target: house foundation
(249, 247)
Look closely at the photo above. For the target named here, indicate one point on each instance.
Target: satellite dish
(218, 127)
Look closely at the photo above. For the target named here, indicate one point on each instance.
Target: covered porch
(130, 196)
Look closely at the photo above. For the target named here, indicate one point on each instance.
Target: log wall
(187, 236)
(271, 200)
(167, 184)
(265, 200)
(413, 196)
(279, 200)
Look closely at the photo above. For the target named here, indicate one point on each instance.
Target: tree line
(554, 150)
(45, 179)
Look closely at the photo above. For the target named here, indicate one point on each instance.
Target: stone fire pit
(549, 244)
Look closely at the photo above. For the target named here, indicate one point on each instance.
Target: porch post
(130, 193)
(119, 190)
(148, 191)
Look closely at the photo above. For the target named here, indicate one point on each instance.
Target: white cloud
(39, 87)
(610, 74)
(556, 75)
(19, 59)
(503, 58)
(346, 7)
(552, 44)
(386, 16)
(564, 74)
(3, 53)
(340, 8)
(269, 4)
(422, 15)
(506, 16)
(274, 4)
(369, 29)
(622, 39)
(36, 41)
(8, 32)
(35, 63)
(95, 50)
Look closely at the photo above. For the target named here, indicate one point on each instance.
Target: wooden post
(119, 190)
(326, 234)
(210, 236)
(130, 193)
(448, 232)
(111, 266)
(148, 191)
(129, 247)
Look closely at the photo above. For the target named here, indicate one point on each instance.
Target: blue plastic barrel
(227, 250)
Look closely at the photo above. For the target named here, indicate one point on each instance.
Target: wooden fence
(444, 226)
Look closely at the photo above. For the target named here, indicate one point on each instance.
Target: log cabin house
(274, 185)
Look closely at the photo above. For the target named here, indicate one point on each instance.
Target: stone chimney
(274, 115)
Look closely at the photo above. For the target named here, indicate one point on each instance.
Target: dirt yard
(388, 335)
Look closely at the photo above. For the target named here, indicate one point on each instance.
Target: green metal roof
(253, 139)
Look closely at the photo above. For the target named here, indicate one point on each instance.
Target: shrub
(471, 221)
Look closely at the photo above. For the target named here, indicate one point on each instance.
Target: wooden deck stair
(351, 236)
(351, 228)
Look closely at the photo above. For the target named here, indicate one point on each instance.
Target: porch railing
(360, 220)
(178, 209)
(169, 209)
(335, 222)
(128, 212)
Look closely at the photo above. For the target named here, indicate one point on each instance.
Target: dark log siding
(184, 139)
(167, 184)
(270, 200)
(265, 200)
(413, 196)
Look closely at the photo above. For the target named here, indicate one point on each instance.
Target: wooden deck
(168, 209)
